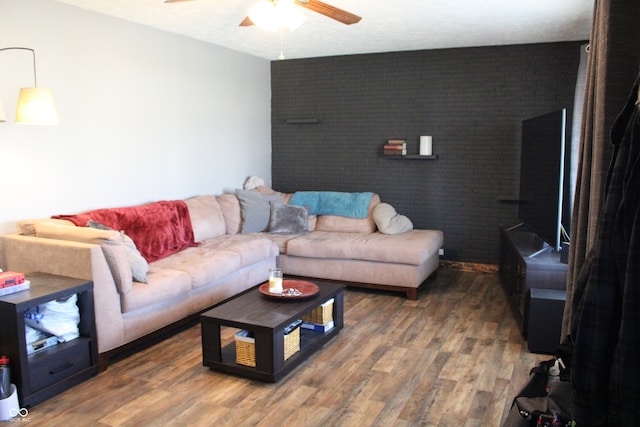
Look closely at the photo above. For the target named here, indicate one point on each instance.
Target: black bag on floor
(540, 402)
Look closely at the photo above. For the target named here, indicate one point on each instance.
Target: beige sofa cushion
(349, 225)
(203, 265)
(230, 206)
(206, 217)
(220, 257)
(27, 226)
(163, 285)
(281, 240)
(109, 240)
(414, 247)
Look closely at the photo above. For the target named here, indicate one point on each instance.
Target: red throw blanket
(158, 229)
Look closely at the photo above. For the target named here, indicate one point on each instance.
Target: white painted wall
(144, 115)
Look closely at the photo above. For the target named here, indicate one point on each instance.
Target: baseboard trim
(470, 266)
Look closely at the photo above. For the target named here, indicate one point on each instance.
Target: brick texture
(471, 100)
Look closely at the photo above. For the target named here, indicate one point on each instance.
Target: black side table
(45, 373)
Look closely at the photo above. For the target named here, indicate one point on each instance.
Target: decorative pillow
(389, 221)
(139, 265)
(255, 210)
(288, 219)
(230, 206)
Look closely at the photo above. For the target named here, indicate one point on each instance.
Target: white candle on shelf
(426, 148)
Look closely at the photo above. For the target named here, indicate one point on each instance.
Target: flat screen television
(542, 160)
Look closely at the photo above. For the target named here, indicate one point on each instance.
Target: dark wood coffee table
(267, 318)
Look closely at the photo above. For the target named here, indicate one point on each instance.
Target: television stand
(533, 240)
(545, 248)
(520, 271)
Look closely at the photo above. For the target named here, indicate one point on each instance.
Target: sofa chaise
(209, 253)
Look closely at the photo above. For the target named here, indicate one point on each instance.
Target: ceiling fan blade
(329, 11)
(246, 22)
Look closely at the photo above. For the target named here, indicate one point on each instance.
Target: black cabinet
(47, 372)
(546, 308)
(520, 271)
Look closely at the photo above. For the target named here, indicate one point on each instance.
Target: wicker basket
(292, 342)
(321, 315)
(246, 345)
(245, 349)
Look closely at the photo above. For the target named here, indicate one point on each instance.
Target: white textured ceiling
(386, 25)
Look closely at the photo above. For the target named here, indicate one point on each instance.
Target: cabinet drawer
(66, 361)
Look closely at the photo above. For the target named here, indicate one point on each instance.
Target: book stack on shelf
(320, 319)
(395, 147)
(11, 282)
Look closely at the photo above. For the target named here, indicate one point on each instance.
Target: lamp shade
(3, 116)
(35, 106)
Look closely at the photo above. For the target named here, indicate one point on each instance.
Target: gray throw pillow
(255, 210)
(139, 265)
(288, 219)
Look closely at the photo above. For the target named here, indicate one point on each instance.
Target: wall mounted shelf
(413, 157)
(302, 121)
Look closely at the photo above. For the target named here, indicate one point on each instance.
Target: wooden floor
(454, 357)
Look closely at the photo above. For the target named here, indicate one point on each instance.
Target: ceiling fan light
(35, 106)
(273, 15)
(264, 16)
(289, 15)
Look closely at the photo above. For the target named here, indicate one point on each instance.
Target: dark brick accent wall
(471, 100)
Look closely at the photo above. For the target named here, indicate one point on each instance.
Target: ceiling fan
(314, 5)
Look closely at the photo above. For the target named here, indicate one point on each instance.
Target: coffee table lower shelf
(267, 319)
(310, 342)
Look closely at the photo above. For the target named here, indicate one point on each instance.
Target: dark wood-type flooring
(454, 357)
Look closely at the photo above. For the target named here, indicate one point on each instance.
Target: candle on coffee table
(275, 280)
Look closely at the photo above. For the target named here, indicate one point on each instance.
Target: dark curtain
(576, 127)
(614, 58)
(602, 313)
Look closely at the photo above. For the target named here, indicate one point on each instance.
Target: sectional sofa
(191, 254)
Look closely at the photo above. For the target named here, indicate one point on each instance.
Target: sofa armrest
(28, 254)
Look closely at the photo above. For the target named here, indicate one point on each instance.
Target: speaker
(546, 307)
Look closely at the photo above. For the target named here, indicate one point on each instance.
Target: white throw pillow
(389, 221)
